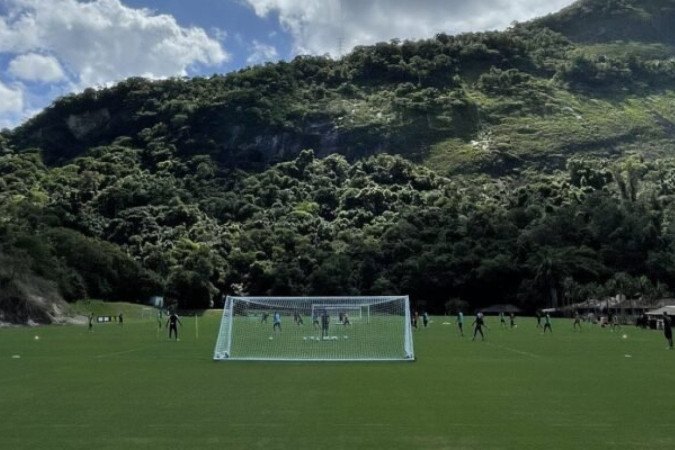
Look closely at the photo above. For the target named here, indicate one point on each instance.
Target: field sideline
(130, 387)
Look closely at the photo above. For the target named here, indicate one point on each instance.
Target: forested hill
(482, 102)
(596, 21)
(529, 166)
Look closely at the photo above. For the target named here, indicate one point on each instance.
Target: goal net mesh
(315, 329)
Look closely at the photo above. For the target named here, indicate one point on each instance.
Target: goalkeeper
(325, 320)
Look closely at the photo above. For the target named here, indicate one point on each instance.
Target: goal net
(315, 329)
(342, 313)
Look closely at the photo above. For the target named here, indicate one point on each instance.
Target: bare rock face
(31, 300)
(83, 124)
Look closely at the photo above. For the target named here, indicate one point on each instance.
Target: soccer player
(547, 323)
(538, 315)
(502, 320)
(315, 321)
(298, 319)
(577, 321)
(277, 322)
(345, 319)
(173, 323)
(512, 320)
(415, 319)
(478, 324)
(460, 323)
(159, 319)
(91, 322)
(425, 319)
(265, 315)
(120, 319)
(667, 330)
(615, 322)
(325, 320)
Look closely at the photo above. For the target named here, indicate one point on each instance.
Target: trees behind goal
(315, 329)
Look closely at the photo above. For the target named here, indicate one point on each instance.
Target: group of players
(479, 323)
(321, 321)
(172, 322)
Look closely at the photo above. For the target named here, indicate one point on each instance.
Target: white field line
(520, 352)
(103, 355)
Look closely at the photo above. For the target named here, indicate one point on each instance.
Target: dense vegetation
(517, 166)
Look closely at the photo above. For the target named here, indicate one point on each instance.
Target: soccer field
(130, 387)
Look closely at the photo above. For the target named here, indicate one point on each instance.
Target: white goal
(315, 329)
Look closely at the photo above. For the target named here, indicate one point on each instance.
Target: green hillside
(599, 21)
(530, 166)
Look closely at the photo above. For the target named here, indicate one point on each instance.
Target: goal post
(315, 329)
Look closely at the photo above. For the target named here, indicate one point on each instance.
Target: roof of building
(670, 309)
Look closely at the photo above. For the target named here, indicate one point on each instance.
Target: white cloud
(34, 67)
(326, 26)
(72, 44)
(262, 53)
(102, 40)
(11, 100)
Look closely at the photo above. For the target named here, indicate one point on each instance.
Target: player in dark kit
(667, 330)
(615, 322)
(325, 320)
(512, 320)
(538, 315)
(547, 323)
(91, 322)
(425, 319)
(173, 323)
(577, 321)
(478, 324)
(265, 315)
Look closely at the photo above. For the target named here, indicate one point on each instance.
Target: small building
(655, 316)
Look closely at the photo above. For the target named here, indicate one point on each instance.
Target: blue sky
(50, 48)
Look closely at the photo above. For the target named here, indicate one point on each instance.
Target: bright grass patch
(131, 387)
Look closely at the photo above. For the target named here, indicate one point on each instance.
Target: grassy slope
(131, 388)
(101, 308)
(572, 125)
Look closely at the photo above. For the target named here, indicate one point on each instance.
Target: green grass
(381, 338)
(130, 387)
(570, 125)
(101, 308)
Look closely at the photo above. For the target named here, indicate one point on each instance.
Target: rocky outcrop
(81, 125)
(28, 299)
